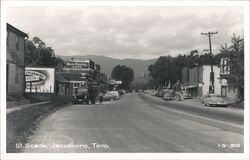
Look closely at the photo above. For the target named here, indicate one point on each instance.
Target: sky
(136, 32)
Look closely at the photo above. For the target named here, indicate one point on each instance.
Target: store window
(76, 85)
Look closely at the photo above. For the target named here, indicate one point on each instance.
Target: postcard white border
(123, 156)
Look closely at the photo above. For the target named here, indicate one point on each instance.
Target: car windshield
(109, 94)
(114, 93)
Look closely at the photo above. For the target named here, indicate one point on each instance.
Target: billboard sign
(39, 80)
(112, 82)
(118, 82)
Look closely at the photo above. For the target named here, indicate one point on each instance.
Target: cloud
(127, 32)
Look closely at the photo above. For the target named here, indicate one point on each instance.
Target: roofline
(12, 28)
(203, 65)
(78, 60)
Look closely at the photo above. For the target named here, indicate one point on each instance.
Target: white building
(197, 80)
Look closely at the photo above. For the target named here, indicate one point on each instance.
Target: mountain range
(107, 64)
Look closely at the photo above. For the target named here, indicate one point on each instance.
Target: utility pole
(209, 34)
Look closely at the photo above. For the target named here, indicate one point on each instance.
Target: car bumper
(80, 100)
(218, 104)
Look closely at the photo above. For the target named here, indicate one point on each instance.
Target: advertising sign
(118, 82)
(39, 80)
(112, 82)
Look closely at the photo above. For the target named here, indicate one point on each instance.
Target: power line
(210, 34)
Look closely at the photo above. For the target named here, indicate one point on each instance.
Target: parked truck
(82, 96)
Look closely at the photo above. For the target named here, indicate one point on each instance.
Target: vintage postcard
(125, 80)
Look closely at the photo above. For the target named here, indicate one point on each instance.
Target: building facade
(76, 74)
(79, 66)
(228, 91)
(68, 84)
(15, 69)
(197, 80)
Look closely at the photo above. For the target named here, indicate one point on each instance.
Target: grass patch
(21, 123)
(13, 98)
(39, 97)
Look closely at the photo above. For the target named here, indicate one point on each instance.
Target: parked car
(150, 92)
(207, 96)
(111, 95)
(182, 95)
(167, 96)
(153, 93)
(186, 95)
(161, 92)
(121, 92)
(214, 101)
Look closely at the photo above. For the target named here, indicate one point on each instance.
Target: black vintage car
(81, 98)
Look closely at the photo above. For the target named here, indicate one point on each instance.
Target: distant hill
(107, 64)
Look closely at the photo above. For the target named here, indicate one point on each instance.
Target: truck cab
(82, 96)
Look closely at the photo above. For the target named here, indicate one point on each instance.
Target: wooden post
(30, 87)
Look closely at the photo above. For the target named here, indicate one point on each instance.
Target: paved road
(139, 123)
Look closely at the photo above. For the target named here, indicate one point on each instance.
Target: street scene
(140, 123)
(125, 79)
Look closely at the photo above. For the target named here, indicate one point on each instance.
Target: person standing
(91, 94)
(100, 96)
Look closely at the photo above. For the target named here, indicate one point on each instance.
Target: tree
(160, 71)
(124, 74)
(168, 69)
(235, 53)
(38, 54)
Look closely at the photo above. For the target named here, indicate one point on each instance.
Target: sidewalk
(9, 110)
(197, 102)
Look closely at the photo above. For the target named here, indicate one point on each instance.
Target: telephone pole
(209, 34)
